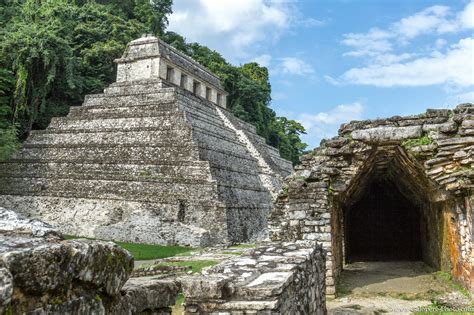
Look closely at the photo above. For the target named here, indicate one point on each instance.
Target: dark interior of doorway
(383, 225)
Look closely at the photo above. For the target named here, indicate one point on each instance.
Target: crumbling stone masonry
(387, 189)
(156, 158)
(275, 278)
(41, 273)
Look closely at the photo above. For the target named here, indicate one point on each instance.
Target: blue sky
(333, 61)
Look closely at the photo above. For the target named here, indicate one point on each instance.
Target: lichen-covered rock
(6, 289)
(387, 133)
(274, 278)
(48, 275)
(14, 223)
(140, 294)
(427, 159)
(454, 301)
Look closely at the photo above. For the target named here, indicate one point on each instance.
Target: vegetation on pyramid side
(52, 53)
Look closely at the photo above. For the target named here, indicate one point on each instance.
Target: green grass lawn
(147, 251)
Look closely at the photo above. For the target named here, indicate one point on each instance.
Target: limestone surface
(426, 159)
(43, 274)
(274, 278)
(46, 274)
(148, 161)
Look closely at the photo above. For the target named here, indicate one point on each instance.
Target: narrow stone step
(139, 87)
(194, 170)
(132, 123)
(146, 191)
(110, 138)
(146, 109)
(132, 154)
(213, 140)
(130, 99)
(120, 112)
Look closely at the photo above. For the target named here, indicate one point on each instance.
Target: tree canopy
(53, 52)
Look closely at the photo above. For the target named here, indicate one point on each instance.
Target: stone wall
(428, 158)
(275, 278)
(147, 161)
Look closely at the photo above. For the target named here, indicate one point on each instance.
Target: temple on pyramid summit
(156, 158)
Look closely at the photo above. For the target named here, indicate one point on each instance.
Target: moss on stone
(8, 310)
(447, 278)
(424, 140)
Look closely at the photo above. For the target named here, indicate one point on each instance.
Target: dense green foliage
(53, 52)
(8, 138)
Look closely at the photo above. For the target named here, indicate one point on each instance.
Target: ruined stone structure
(387, 189)
(41, 273)
(156, 158)
(274, 278)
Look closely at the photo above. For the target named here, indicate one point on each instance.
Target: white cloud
(467, 16)
(374, 42)
(230, 26)
(326, 124)
(293, 66)
(456, 67)
(440, 43)
(388, 65)
(432, 19)
(435, 19)
(332, 80)
(263, 60)
(467, 97)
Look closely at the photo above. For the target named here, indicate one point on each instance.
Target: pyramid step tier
(193, 170)
(112, 153)
(165, 95)
(146, 191)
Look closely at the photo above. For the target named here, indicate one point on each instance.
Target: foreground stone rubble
(275, 278)
(40, 273)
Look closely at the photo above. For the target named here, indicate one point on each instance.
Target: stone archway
(381, 180)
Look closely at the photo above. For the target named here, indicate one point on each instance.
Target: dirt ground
(386, 288)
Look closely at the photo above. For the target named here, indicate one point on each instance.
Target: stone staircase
(146, 162)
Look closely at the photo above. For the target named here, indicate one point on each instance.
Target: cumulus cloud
(326, 124)
(230, 26)
(374, 42)
(432, 19)
(386, 66)
(263, 60)
(466, 97)
(453, 67)
(293, 66)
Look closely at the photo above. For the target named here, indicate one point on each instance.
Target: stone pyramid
(156, 158)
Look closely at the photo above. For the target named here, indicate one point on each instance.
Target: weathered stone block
(387, 134)
(275, 278)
